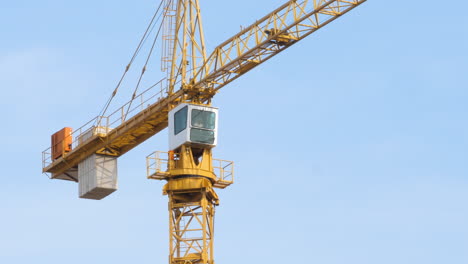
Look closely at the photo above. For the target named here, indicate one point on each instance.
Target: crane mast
(185, 51)
(183, 104)
(189, 174)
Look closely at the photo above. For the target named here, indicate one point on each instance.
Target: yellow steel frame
(190, 177)
(194, 77)
(187, 162)
(191, 227)
(191, 205)
(160, 166)
(184, 41)
(286, 25)
(267, 37)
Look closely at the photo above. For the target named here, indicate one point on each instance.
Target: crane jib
(236, 56)
(89, 154)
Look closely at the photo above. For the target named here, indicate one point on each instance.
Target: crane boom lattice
(252, 46)
(267, 37)
(182, 102)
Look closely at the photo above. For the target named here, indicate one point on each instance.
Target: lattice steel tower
(182, 102)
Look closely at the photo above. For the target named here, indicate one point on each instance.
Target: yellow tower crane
(182, 102)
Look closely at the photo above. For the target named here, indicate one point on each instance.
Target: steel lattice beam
(254, 45)
(286, 25)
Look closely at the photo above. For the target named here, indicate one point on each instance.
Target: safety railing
(101, 125)
(224, 170)
(157, 167)
(47, 159)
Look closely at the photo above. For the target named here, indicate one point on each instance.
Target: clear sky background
(350, 147)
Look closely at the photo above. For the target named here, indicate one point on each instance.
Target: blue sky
(350, 147)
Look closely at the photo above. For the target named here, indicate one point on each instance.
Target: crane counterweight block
(61, 142)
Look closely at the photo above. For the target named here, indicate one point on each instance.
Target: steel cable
(127, 68)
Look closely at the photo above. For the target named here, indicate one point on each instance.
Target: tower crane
(182, 102)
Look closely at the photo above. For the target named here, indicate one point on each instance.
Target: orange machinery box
(61, 142)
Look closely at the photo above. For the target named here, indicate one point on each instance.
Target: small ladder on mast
(168, 37)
